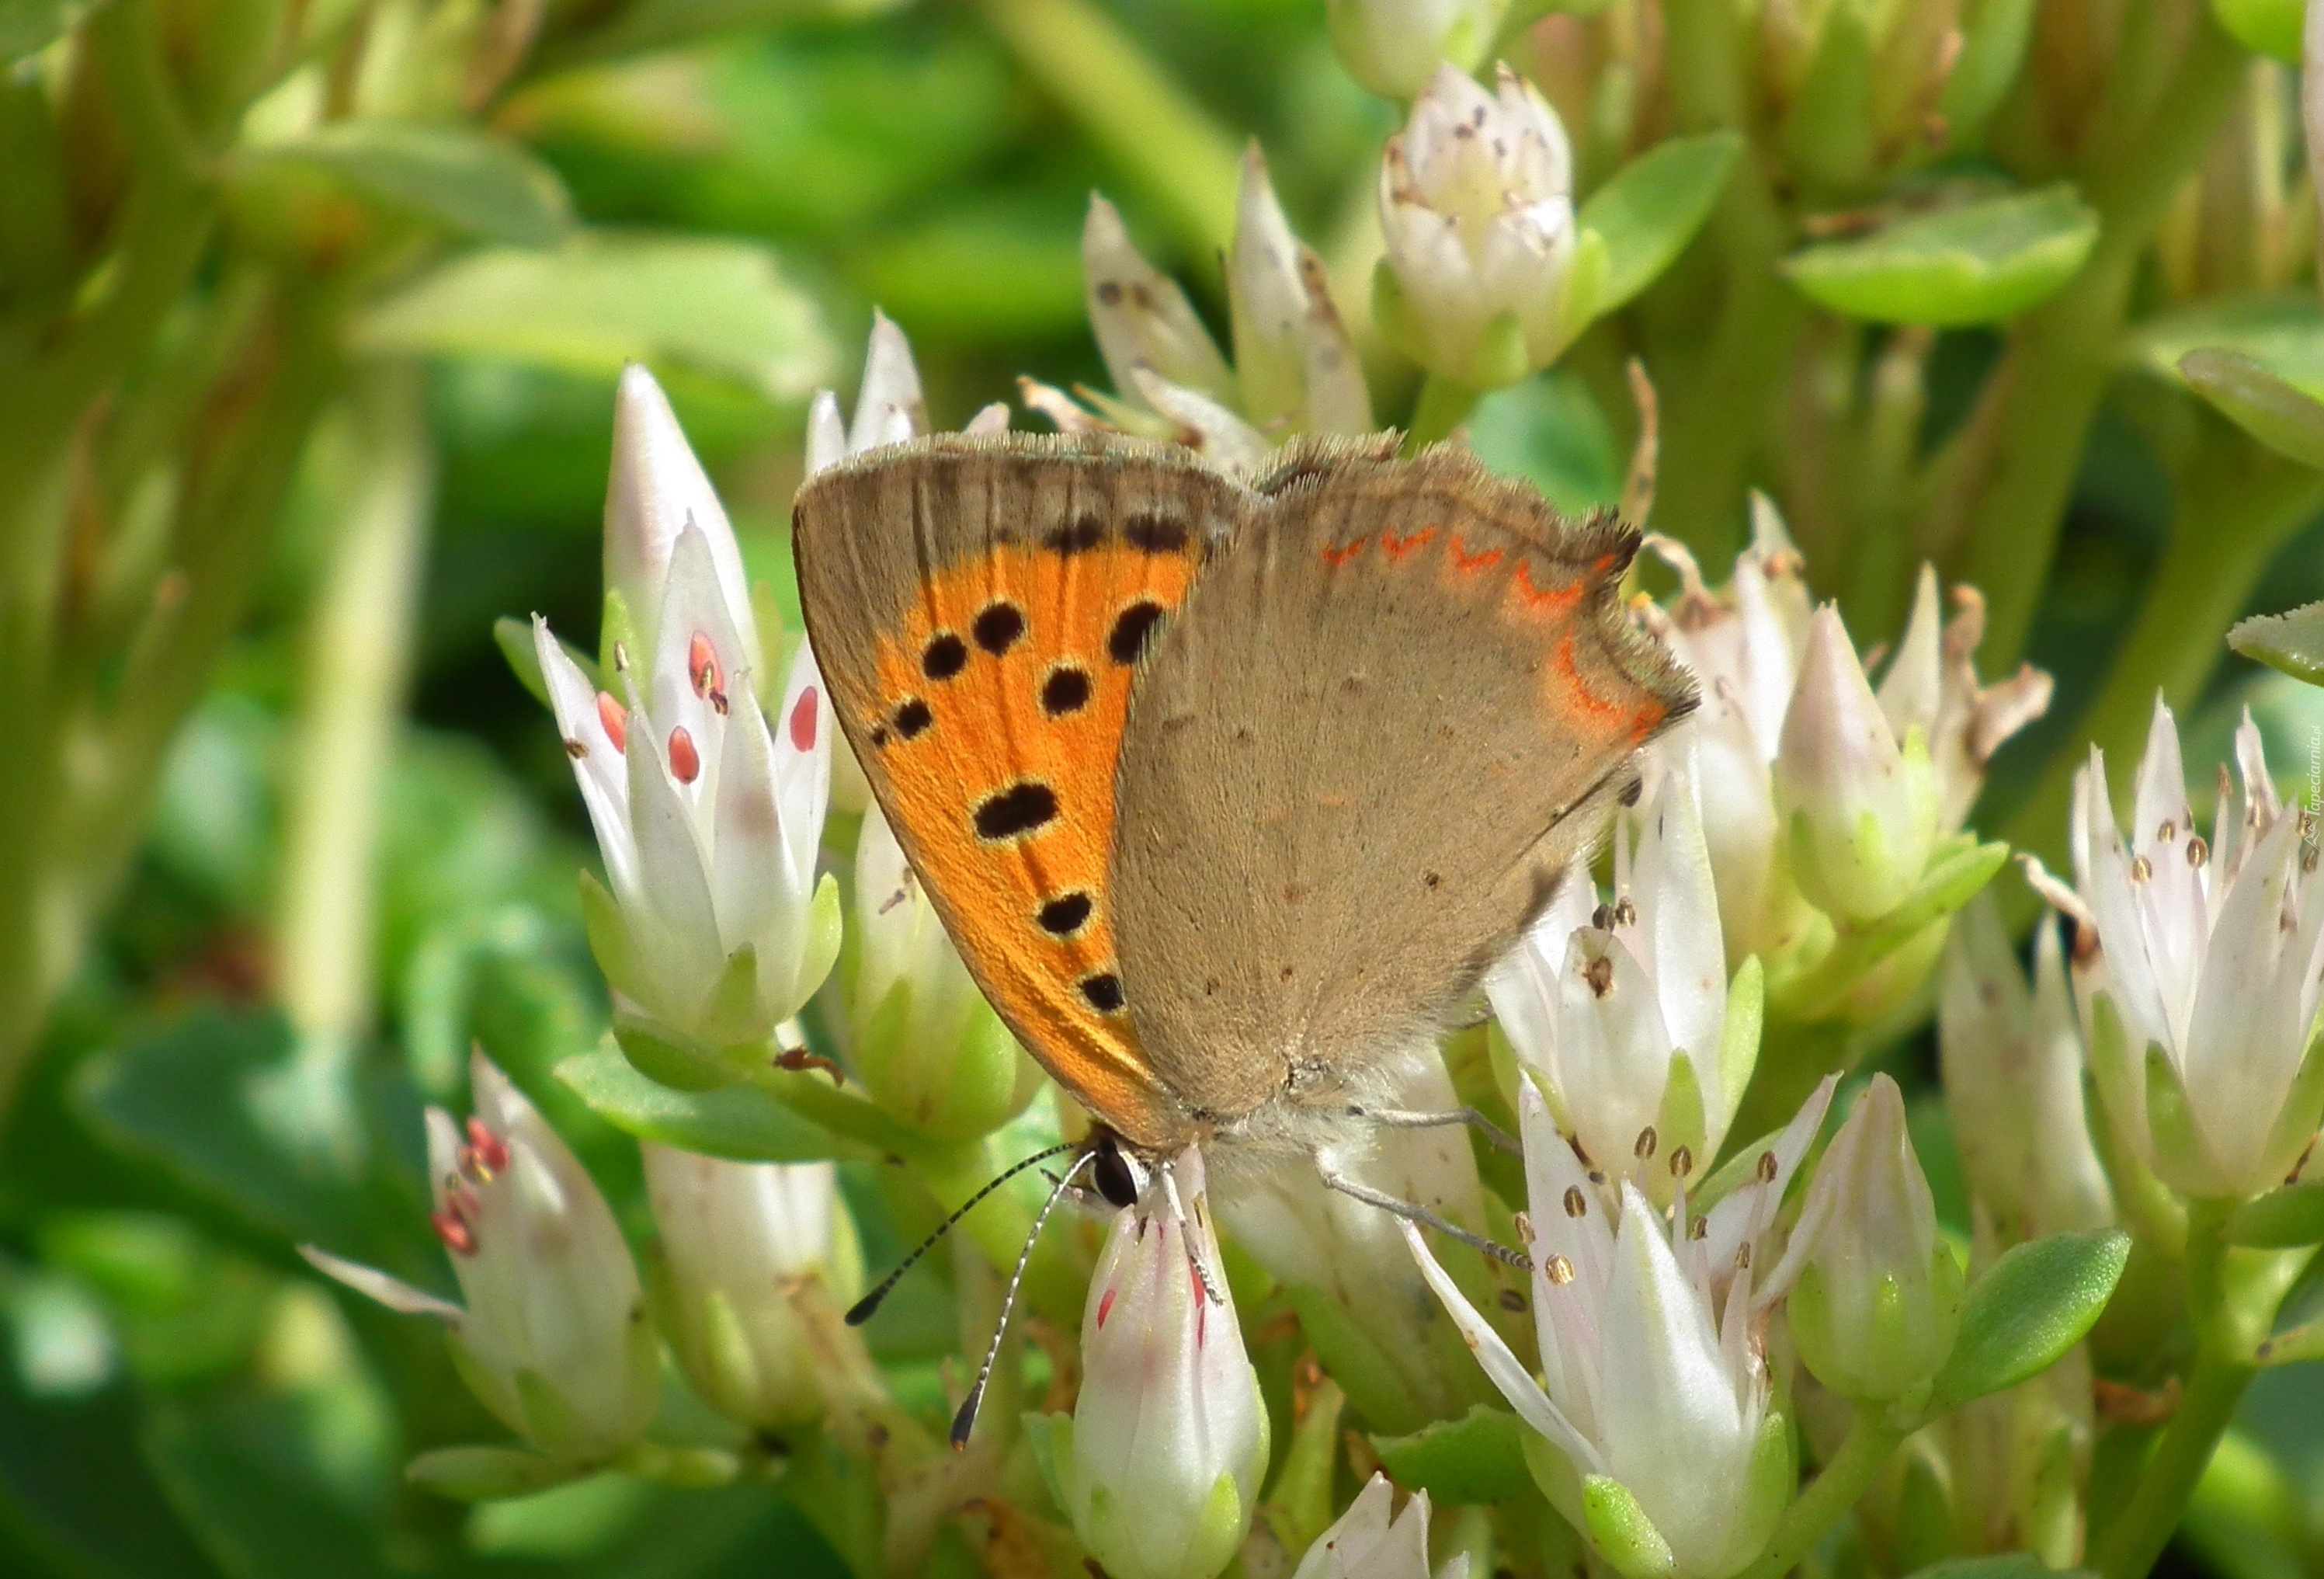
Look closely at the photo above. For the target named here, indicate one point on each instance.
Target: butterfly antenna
(965, 1421)
(863, 1309)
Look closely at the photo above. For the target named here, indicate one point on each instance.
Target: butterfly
(1227, 792)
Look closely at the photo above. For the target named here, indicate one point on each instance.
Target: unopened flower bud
(554, 1337)
(926, 1044)
(739, 1240)
(1369, 1542)
(1878, 1294)
(1159, 1467)
(1476, 204)
(1860, 810)
(1393, 47)
(654, 492)
(1295, 366)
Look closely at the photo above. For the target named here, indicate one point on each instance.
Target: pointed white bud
(553, 1336)
(738, 1242)
(1140, 317)
(655, 490)
(1859, 810)
(1295, 368)
(1160, 1467)
(1878, 1293)
(1369, 1542)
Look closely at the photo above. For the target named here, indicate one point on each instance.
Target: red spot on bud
(458, 1236)
(615, 720)
(803, 717)
(685, 762)
(492, 1151)
(702, 666)
(1105, 1307)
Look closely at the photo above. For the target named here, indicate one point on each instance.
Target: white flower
(1295, 368)
(707, 818)
(1159, 1468)
(1366, 1543)
(2209, 958)
(553, 1336)
(1656, 1398)
(1811, 788)
(1931, 686)
(1878, 1292)
(2013, 1079)
(1476, 205)
(1142, 320)
(1620, 1009)
(655, 490)
(737, 1240)
(1859, 806)
(1393, 47)
(925, 1043)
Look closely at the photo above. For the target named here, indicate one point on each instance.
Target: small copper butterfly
(1229, 793)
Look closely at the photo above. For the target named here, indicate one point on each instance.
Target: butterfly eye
(1112, 1176)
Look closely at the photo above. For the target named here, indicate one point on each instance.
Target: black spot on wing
(1132, 628)
(1024, 807)
(997, 627)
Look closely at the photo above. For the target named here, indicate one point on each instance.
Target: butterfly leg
(1187, 1235)
(1396, 1118)
(1334, 1179)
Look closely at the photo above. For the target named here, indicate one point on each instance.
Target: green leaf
(454, 177)
(722, 309)
(2260, 399)
(487, 1474)
(2270, 26)
(1651, 209)
(29, 26)
(224, 1101)
(1477, 1458)
(2292, 642)
(2031, 1306)
(1981, 263)
(741, 1123)
(2281, 1219)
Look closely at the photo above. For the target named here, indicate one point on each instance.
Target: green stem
(1997, 520)
(2236, 508)
(1444, 405)
(1871, 1438)
(2222, 1369)
(353, 677)
(1163, 141)
(1714, 401)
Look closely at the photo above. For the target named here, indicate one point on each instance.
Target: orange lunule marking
(1552, 598)
(1344, 553)
(1586, 700)
(1643, 721)
(1466, 562)
(1397, 548)
(991, 730)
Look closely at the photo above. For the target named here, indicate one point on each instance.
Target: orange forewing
(1004, 696)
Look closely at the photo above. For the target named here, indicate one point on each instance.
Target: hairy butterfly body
(1228, 793)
